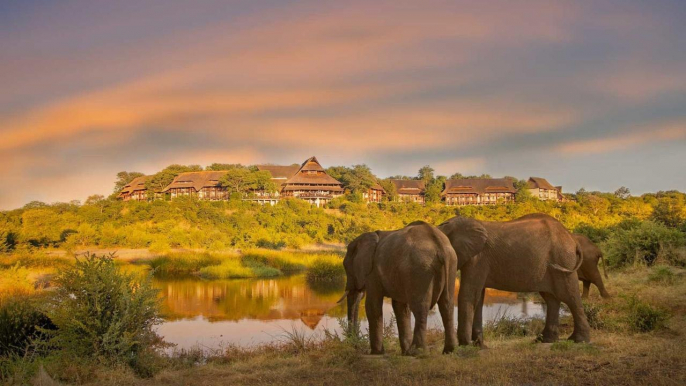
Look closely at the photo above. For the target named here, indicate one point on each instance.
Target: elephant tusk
(343, 297)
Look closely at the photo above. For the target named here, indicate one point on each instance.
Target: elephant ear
(358, 260)
(467, 236)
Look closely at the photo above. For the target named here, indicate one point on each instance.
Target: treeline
(629, 228)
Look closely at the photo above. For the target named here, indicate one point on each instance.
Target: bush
(642, 317)
(643, 244)
(102, 313)
(21, 322)
(504, 326)
(234, 269)
(594, 314)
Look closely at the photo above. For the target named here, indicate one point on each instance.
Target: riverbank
(639, 337)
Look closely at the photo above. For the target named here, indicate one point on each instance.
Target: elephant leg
(582, 330)
(402, 316)
(597, 280)
(374, 307)
(421, 314)
(587, 286)
(471, 290)
(478, 327)
(446, 307)
(552, 318)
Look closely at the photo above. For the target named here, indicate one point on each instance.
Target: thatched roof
(539, 183)
(409, 186)
(378, 186)
(196, 180)
(136, 184)
(279, 171)
(310, 173)
(479, 186)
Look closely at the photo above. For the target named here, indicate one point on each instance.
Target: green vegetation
(507, 326)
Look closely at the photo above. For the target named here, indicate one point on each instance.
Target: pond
(211, 314)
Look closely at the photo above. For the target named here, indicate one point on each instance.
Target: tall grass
(180, 263)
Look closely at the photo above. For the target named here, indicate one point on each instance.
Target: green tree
(426, 174)
(242, 180)
(389, 187)
(221, 167)
(124, 178)
(357, 179)
(434, 189)
(623, 193)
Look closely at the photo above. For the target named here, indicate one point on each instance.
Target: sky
(586, 93)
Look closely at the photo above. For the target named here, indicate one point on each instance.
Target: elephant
(589, 273)
(534, 253)
(416, 267)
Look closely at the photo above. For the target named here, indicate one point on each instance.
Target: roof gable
(539, 183)
(137, 183)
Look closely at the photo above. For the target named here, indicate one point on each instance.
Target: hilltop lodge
(311, 183)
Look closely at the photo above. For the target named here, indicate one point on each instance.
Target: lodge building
(478, 191)
(310, 182)
(203, 185)
(134, 190)
(543, 190)
(410, 190)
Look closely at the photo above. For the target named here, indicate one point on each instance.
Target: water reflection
(256, 311)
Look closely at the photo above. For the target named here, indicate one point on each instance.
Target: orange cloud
(666, 132)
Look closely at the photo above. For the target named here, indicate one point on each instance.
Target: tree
(671, 210)
(433, 190)
(623, 193)
(221, 167)
(458, 175)
(389, 187)
(242, 180)
(357, 179)
(426, 174)
(124, 178)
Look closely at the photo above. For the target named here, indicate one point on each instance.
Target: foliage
(642, 243)
(642, 317)
(241, 179)
(21, 324)
(183, 262)
(103, 313)
(357, 179)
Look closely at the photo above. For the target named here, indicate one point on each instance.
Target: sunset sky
(586, 94)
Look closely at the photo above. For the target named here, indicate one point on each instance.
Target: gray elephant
(416, 267)
(534, 253)
(589, 273)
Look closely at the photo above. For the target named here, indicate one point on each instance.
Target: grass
(662, 274)
(251, 263)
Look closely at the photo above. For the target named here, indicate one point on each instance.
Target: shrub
(642, 317)
(102, 313)
(642, 244)
(504, 325)
(594, 314)
(234, 269)
(21, 322)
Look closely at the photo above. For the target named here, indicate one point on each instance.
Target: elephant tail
(579, 261)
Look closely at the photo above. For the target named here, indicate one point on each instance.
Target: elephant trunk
(354, 298)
